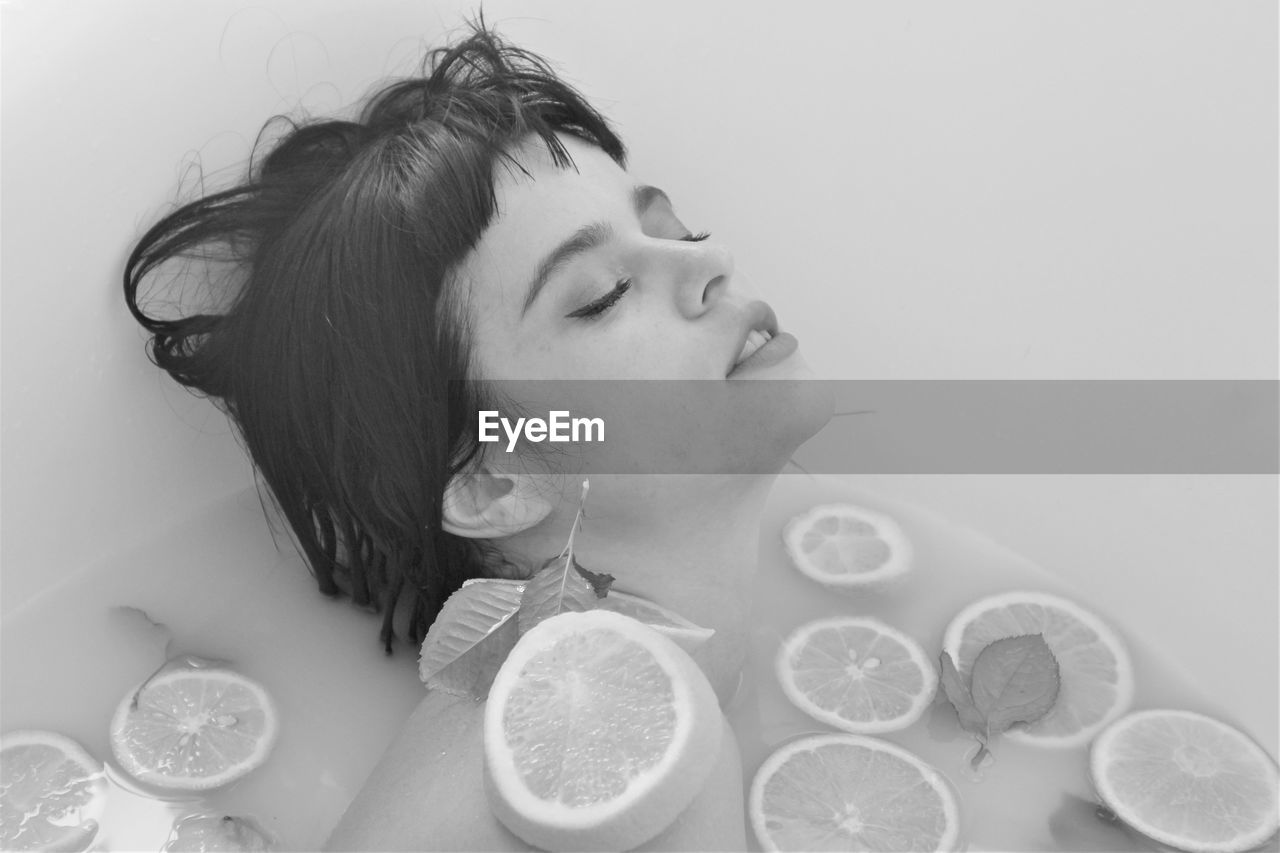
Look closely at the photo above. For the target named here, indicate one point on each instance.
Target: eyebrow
(585, 239)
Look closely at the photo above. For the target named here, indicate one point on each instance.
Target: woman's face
(586, 273)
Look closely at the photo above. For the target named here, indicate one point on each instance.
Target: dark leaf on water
(957, 692)
(1014, 680)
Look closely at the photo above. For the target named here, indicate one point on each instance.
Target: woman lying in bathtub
(478, 224)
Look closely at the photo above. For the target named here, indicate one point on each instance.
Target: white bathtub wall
(977, 190)
(106, 106)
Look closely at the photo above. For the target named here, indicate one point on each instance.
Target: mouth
(755, 339)
(762, 327)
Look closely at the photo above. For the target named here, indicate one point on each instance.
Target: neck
(687, 543)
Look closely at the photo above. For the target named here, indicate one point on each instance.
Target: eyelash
(604, 303)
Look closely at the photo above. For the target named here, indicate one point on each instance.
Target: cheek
(609, 351)
(644, 357)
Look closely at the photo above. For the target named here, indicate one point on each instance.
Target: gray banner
(888, 427)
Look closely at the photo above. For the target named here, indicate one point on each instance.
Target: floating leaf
(560, 586)
(471, 637)
(957, 692)
(1014, 680)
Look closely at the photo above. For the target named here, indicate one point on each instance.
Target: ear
(480, 504)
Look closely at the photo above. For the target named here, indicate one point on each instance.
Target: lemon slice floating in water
(847, 547)
(197, 833)
(856, 674)
(1188, 781)
(1093, 664)
(51, 792)
(598, 732)
(847, 792)
(192, 729)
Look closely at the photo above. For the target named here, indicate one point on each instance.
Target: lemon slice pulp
(857, 674)
(847, 546)
(1188, 781)
(192, 729)
(848, 792)
(598, 732)
(52, 792)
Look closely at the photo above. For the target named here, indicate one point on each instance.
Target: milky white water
(219, 587)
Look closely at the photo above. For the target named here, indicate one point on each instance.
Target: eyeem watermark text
(560, 426)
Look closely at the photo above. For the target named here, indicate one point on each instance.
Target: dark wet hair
(337, 340)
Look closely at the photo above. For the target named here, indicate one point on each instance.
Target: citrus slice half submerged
(856, 674)
(52, 792)
(197, 833)
(847, 792)
(847, 547)
(1093, 664)
(192, 729)
(1188, 781)
(598, 732)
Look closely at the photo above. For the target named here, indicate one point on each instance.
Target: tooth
(755, 340)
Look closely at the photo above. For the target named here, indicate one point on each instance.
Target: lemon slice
(1188, 781)
(598, 732)
(192, 729)
(686, 634)
(1093, 664)
(856, 674)
(200, 832)
(52, 792)
(846, 546)
(847, 792)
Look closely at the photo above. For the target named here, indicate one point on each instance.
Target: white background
(922, 190)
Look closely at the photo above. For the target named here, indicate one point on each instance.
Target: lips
(755, 340)
(761, 326)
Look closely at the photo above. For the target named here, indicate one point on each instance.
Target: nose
(701, 273)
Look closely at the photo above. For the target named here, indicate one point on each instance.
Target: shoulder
(427, 790)
(428, 793)
(793, 494)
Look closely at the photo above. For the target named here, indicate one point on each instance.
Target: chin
(779, 416)
(809, 406)
(804, 404)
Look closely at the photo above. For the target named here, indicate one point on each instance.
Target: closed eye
(604, 303)
(696, 238)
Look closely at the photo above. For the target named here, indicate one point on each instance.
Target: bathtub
(952, 221)
(224, 585)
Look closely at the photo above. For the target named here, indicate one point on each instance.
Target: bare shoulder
(427, 793)
(427, 790)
